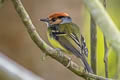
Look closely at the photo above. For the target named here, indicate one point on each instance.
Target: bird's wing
(68, 37)
(69, 44)
(83, 46)
(70, 47)
(73, 37)
(72, 30)
(76, 40)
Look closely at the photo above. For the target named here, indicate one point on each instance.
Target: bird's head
(57, 18)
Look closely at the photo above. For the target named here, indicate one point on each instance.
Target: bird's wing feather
(67, 44)
(75, 38)
(72, 30)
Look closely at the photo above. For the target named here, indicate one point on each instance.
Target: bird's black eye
(53, 19)
(69, 17)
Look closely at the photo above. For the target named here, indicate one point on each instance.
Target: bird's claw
(61, 55)
(59, 52)
(85, 69)
(69, 63)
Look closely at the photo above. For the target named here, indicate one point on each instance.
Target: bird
(65, 35)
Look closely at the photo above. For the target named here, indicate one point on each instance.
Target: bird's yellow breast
(55, 43)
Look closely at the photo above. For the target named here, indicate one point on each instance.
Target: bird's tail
(66, 44)
(87, 66)
(83, 59)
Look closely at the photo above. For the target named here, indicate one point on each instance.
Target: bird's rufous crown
(57, 14)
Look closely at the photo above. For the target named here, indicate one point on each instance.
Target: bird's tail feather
(87, 66)
(81, 56)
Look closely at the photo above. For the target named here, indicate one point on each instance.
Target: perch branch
(78, 70)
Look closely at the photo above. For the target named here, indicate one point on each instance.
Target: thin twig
(78, 70)
(93, 44)
(106, 58)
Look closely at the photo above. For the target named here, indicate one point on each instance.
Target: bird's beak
(45, 20)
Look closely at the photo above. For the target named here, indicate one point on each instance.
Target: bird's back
(59, 41)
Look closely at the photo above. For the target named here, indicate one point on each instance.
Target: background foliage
(113, 10)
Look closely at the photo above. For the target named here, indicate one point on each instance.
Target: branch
(9, 70)
(93, 41)
(78, 70)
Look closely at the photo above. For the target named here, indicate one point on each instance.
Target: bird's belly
(55, 43)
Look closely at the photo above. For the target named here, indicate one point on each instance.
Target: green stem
(106, 57)
(93, 40)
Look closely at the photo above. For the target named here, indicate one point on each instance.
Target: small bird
(65, 35)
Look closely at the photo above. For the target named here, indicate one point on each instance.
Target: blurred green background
(113, 10)
(16, 43)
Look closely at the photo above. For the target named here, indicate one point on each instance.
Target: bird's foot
(59, 52)
(61, 55)
(69, 62)
(85, 69)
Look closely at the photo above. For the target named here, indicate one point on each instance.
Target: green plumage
(68, 29)
(67, 37)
